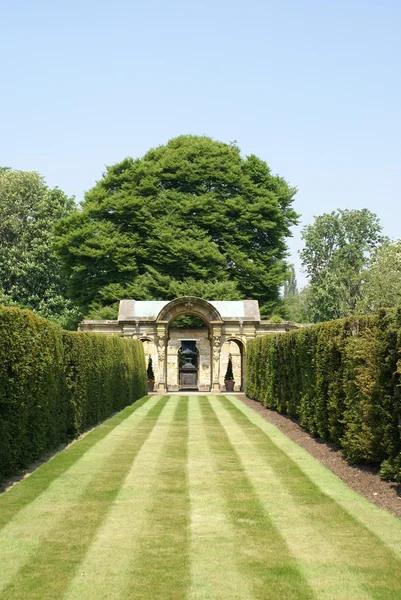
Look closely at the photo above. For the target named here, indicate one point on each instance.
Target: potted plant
(151, 376)
(229, 376)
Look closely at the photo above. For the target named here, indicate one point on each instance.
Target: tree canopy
(294, 305)
(381, 285)
(30, 271)
(338, 247)
(189, 213)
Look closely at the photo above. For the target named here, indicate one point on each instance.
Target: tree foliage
(30, 271)
(382, 279)
(290, 287)
(296, 308)
(192, 216)
(338, 246)
(295, 303)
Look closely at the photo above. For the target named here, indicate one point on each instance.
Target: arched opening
(150, 352)
(233, 348)
(188, 353)
(207, 339)
(149, 348)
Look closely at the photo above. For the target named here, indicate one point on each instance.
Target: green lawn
(192, 497)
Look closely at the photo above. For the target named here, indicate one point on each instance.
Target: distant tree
(30, 271)
(381, 284)
(294, 305)
(188, 214)
(338, 246)
(290, 287)
(296, 308)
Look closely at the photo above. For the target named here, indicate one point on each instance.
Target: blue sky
(312, 87)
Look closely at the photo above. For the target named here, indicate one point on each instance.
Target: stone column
(216, 345)
(161, 341)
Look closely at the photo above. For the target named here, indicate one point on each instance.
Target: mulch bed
(363, 479)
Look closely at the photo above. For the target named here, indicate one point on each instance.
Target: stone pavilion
(193, 358)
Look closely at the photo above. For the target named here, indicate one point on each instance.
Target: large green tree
(381, 283)
(338, 247)
(191, 211)
(30, 271)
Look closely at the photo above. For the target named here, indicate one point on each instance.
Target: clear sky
(312, 87)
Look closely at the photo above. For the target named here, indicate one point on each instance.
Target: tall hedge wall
(54, 384)
(340, 380)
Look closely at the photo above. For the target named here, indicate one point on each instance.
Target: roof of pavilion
(234, 310)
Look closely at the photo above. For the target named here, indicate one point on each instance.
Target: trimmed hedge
(340, 380)
(54, 384)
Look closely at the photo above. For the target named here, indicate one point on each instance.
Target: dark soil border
(363, 479)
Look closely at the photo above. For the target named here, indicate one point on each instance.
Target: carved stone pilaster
(161, 341)
(161, 348)
(216, 346)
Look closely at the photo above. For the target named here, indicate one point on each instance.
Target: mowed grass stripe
(214, 552)
(105, 571)
(386, 527)
(160, 567)
(374, 565)
(195, 498)
(328, 571)
(265, 559)
(40, 480)
(23, 534)
(64, 546)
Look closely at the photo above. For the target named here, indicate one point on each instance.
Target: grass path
(194, 498)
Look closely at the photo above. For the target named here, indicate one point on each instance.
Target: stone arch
(190, 305)
(235, 338)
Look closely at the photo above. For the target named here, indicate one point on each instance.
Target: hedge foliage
(340, 380)
(54, 384)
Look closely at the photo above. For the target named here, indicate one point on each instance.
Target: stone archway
(189, 305)
(228, 322)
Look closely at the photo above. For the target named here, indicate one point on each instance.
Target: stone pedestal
(189, 379)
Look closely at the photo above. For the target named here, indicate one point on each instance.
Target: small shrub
(149, 370)
(229, 376)
(391, 469)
